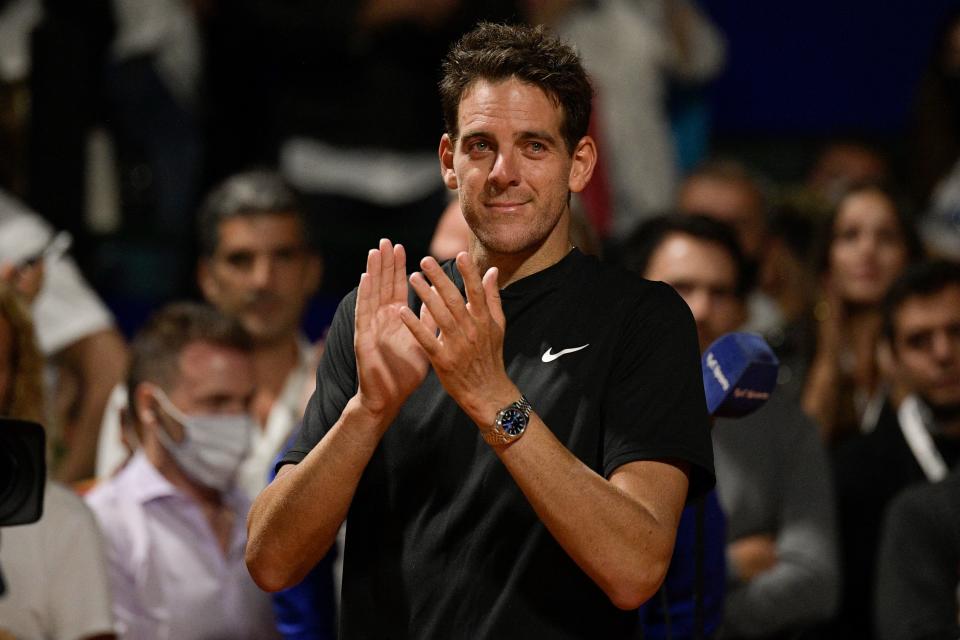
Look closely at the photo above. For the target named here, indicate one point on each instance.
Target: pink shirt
(169, 576)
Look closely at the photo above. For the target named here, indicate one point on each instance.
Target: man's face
(511, 166)
(705, 275)
(261, 274)
(214, 379)
(926, 335)
(733, 202)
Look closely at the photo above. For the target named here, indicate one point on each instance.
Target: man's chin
(265, 332)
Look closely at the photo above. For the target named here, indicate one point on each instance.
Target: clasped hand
(461, 340)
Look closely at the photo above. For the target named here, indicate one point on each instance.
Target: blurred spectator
(772, 474)
(54, 570)
(74, 330)
(918, 567)
(633, 51)
(867, 243)
(174, 521)
(915, 442)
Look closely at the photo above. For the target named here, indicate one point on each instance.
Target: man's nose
(944, 347)
(505, 171)
(262, 272)
(700, 303)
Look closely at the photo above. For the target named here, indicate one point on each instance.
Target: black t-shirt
(441, 543)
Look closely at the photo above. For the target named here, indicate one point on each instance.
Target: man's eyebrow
(466, 135)
(537, 135)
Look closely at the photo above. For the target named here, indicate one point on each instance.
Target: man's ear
(141, 402)
(447, 145)
(584, 162)
(205, 280)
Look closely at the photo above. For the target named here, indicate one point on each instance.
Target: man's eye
(479, 145)
(239, 260)
(536, 147)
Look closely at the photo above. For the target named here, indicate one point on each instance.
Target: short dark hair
(250, 193)
(637, 251)
(156, 348)
(497, 52)
(918, 280)
(908, 230)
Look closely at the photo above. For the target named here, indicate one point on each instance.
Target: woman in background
(868, 242)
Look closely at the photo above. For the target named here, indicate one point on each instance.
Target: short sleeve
(336, 384)
(655, 406)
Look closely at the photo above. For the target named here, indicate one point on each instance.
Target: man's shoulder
(610, 280)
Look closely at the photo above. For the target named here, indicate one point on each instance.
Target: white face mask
(213, 445)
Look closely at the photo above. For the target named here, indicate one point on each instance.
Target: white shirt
(56, 573)
(170, 578)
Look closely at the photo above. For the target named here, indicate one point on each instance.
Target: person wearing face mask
(173, 517)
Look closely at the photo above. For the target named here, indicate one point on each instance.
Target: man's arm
(620, 531)
(294, 521)
(790, 577)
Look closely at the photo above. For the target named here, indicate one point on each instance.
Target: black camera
(23, 471)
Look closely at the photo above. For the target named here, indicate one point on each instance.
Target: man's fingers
(451, 296)
(386, 271)
(399, 274)
(427, 319)
(472, 284)
(364, 308)
(491, 287)
(373, 274)
(427, 338)
(434, 303)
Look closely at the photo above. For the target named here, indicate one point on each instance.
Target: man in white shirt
(172, 517)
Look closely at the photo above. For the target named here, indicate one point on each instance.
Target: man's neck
(273, 362)
(516, 266)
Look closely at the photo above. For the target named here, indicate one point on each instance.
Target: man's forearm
(620, 531)
(294, 521)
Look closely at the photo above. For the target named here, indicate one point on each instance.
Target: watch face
(513, 422)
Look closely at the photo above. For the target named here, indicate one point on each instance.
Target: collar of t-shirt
(549, 278)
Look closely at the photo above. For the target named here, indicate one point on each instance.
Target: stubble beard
(510, 239)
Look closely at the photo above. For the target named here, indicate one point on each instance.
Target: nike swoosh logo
(550, 357)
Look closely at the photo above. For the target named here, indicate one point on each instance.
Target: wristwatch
(511, 423)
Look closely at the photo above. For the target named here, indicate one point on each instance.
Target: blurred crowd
(184, 183)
